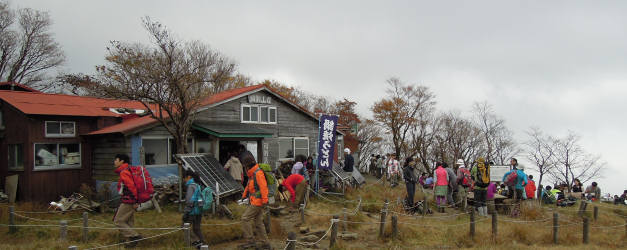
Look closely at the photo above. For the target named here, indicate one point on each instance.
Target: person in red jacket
(124, 215)
(530, 188)
(296, 185)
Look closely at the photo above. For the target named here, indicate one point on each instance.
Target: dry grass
(414, 232)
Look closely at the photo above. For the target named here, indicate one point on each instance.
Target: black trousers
(196, 221)
(411, 191)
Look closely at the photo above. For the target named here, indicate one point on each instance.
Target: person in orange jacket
(256, 191)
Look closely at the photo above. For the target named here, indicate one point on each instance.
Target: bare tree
(27, 47)
(399, 111)
(170, 78)
(462, 138)
(370, 140)
(490, 125)
(539, 150)
(505, 147)
(426, 142)
(573, 162)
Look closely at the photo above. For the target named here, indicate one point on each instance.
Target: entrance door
(225, 148)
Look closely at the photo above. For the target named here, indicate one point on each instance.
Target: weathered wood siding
(105, 147)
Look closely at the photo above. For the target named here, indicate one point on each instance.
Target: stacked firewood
(165, 194)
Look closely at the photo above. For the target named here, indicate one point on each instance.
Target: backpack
(511, 178)
(483, 175)
(143, 183)
(465, 179)
(270, 180)
(202, 200)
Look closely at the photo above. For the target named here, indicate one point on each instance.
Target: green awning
(232, 130)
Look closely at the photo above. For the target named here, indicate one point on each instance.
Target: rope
(154, 236)
(101, 228)
(452, 225)
(42, 220)
(226, 224)
(333, 221)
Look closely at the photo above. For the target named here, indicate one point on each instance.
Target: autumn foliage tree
(399, 112)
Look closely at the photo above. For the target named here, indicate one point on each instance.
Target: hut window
(293, 146)
(60, 129)
(16, 157)
(156, 151)
(258, 114)
(301, 146)
(57, 155)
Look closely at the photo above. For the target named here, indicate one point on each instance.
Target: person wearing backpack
(124, 217)
(530, 188)
(481, 175)
(516, 180)
(193, 211)
(464, 180)
(256, 191)
(440, 189)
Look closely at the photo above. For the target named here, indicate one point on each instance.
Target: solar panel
(338, 172)
(211, 172)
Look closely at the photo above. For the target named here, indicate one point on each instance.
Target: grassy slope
(427, 232)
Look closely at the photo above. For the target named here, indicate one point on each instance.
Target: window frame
(258, 120)
(58, 166)
(293, 139)
(16, 168)
(60, 134)
(169, 149)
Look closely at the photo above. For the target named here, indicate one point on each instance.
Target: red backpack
(143, 183)
(511, 178)
(465, 178)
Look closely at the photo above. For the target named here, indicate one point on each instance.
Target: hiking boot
(247, 245)
(132, 241)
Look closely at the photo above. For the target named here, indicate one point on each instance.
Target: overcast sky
(558, 65)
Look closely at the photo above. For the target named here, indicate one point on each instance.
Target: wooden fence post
(586, 229)
(333, 230)
(187, 237)
(291, 241)
(472, 223)
(63, 230)
(596, 213)
(85, 225)
(384, 212)
(204, 247)
(494, 225)
(555, 227)
(12, 227)
(72, 248)
(582, 207)
(394, 226)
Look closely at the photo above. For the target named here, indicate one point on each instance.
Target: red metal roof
(133, 124)
(20, 87)
(36, 103)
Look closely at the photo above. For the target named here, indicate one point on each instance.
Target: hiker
(422, 179)
(393, 170)
(593, 192)
(530, 188)
(300, 168)
(440, 178)
(192, 213)
(577, 186)
(409, 175)
(124, 217)
(452, 184)
(349, 161)
(234, 167)
(516, 182)
(548, 196)
(429, 182)
(622, 199)
(296, 185)
(464, 180)
(256, 191)
(490, 195)
(481, 175)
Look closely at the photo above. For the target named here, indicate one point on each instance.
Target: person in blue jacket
(521, 180)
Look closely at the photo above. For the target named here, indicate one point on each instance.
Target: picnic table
(495, 203)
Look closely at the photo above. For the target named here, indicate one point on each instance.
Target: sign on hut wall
(259, 99)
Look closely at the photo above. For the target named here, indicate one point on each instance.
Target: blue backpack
(202, 200)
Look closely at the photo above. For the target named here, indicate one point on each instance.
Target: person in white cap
(348, 161)
(464, 181)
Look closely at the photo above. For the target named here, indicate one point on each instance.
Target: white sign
(497, 172)
(259, 99)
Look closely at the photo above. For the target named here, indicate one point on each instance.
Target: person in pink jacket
(440, 189)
